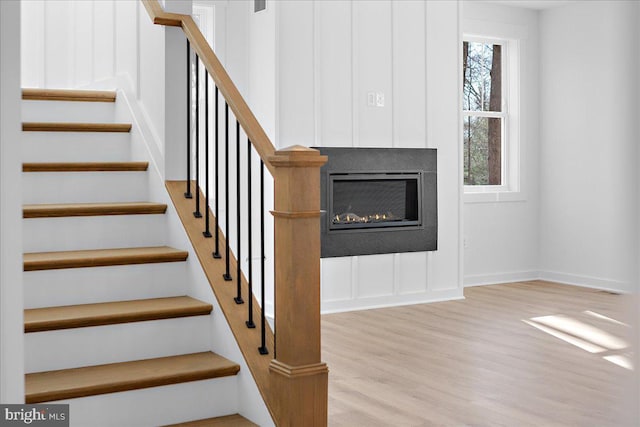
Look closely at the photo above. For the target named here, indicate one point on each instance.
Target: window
(490, 137)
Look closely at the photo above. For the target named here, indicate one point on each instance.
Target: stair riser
(88, 187)
(97, 345)
(103, 284)
(96, 232)
(75, 147)
(141, 408)
(67, 111)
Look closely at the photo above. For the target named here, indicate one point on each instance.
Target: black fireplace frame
(380, 240)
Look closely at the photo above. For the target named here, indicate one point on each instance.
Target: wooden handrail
(229, 91)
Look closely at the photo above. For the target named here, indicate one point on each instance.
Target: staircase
(109, 327)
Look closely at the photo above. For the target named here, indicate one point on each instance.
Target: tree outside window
(484, 112)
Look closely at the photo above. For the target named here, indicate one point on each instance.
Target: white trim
(329, 307)
(510, 189)
(603, 284)
(11, 274)
(497, 278)
(599, 283)
(460, 163)
(355, 101)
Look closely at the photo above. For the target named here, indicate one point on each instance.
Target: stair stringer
(145, 147)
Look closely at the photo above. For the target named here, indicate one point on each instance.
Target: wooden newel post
(298, 374)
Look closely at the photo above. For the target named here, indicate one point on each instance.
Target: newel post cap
(297, 156)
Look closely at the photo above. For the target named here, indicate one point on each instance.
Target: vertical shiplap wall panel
(373, 33)
(334, 68)
(104, 40)
(412, 273)
(83, 42)
(375, 275)
(329, 56)
(125, 36)
(32, 43)
(409, 68)
(443, 110)
(68, 44)
(295, 75)
(58, 55)
(336, 279)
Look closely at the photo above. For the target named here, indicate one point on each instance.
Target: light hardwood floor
(476, 362)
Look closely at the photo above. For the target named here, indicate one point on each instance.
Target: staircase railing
(296, 393)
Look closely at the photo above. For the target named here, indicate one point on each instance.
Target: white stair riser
(156, 406)
(93, 232)
(71, 286)
(68, 111)
(97, 345)
(79, 187)
(76, 147)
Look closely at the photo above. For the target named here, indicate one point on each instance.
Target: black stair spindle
(227, 274)
(250, 323)
(238, 299)
(263, 346)
(187, 193)
(197, 213)
(216, 253)
(207, 231)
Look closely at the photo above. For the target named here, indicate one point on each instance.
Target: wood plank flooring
(476, 362)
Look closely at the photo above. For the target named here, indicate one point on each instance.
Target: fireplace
(374, 200)
(378, 201)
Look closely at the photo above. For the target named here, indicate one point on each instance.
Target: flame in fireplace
(352, 218)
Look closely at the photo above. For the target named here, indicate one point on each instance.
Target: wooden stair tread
(85, 167)
(75, 127)
(92, 209)
(111, 313)
(68, 95)
(116, 377)
(102, 257)
(226, 421)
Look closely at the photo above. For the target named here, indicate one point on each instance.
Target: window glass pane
(482, 151)
(482, 67)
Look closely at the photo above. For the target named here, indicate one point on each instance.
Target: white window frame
(509, 190)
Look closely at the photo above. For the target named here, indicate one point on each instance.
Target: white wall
(11, 296)
(68, 44)
(106, 44)
(588, 166)
(501, 237)
(329, 55)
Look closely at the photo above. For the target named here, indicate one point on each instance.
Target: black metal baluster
(216, 253)
(187, 193)
(226, 275)
(263, 346)
(207, 231)
(250, 323)
(238, 298)
(197, 213)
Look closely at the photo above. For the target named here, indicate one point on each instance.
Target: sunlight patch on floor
(621, 360)
(603, 317)
(585, 345)
(582, 330)
(586, 337)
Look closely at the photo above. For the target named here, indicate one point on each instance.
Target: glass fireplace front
(374, 200)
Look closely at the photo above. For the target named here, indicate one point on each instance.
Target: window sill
(493, 196)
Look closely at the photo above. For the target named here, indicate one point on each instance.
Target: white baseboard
(340, 306)
(497, 278)
(603, 284)
(551, 276)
